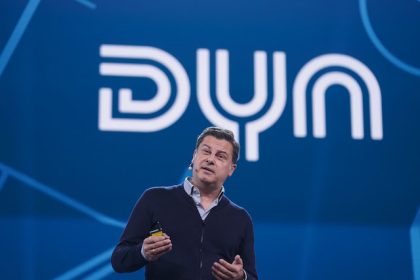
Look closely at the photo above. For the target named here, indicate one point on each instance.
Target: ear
(193, 155)
(232, 169)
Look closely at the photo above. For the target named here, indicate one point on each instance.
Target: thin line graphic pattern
(6, 171)
(100, 273)
(88, 4)
(32, 183)
(84, 267)
(17, 33)
(21, 27)
(378, 44)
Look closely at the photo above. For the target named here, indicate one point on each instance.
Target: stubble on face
(212, 164)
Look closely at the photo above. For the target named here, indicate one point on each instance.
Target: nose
(210, 158)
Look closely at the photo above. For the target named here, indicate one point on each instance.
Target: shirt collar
(190, 189)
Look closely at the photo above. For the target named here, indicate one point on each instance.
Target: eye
(222, 156)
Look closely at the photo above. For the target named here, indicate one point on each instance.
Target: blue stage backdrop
(100, 100)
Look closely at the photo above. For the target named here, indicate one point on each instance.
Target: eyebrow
(219, 151)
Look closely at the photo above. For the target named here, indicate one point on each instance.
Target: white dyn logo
(256, 126)
(126, 104)
(336, 78)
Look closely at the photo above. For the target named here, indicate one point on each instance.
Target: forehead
(217, 144)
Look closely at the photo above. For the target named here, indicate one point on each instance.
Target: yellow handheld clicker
(158, 231)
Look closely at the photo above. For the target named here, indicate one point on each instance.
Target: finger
(159, 251)
(161, 243)
(154, 239)
(216, 276)
(220, 275)
(149, 240)
(223, 271)
(163, 249)
(238, 260)
(163, 252)
(234, 268)
(154, 254)
(155, 245)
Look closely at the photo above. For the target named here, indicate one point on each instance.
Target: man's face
(212, 162)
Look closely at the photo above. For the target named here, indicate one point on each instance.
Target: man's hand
(223, 270)
(156, 246)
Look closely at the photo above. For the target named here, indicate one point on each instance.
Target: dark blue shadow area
(40, 248)
(332, 252)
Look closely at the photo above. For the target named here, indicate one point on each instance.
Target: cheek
(196, 159)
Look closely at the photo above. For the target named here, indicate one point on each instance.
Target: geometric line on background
(20, 28)
(87, 4)
(32, 183)
(84, 267)
(17, 33)
(100, 273)
(378, 44)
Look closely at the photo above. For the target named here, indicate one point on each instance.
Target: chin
(206, 180)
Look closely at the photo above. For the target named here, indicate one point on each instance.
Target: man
(205, 235)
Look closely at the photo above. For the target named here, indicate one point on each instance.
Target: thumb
(237, 260)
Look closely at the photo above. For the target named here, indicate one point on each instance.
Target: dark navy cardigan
(196, 244)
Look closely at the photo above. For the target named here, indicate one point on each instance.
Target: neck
(210, 191)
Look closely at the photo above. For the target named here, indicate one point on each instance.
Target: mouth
(207, 169)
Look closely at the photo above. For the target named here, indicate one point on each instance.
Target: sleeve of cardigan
(247, 251)
(127, 256)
